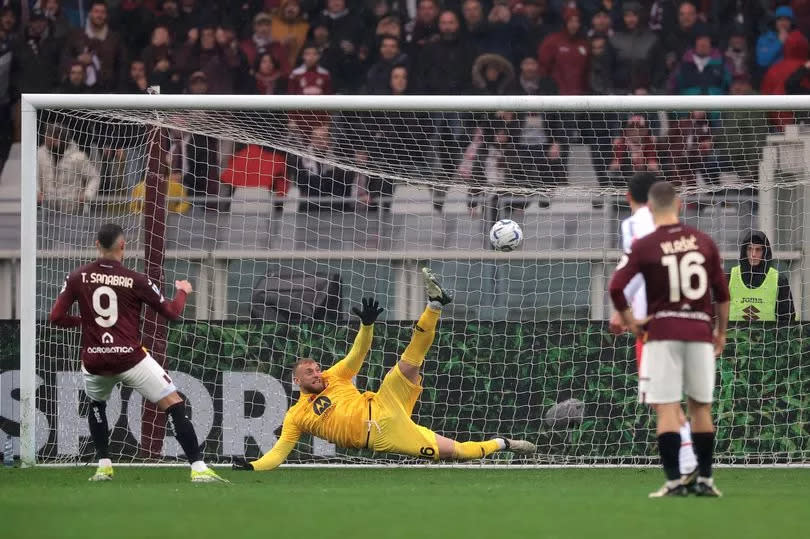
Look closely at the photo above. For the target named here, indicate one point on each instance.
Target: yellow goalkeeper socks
(423, 335)
(476, 450)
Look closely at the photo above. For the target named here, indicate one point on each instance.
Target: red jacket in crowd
(564, 58)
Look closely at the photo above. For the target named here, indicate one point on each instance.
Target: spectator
(475, 25)
(775, 79)
(9, 66)
(503, 35)
(310, 78)
(216, 56)
(389, 26)
(737, 15)
(66, 178)
(601, 24)
(692, 150)
(262, 41)
(563, 56)
(98, 48)
(160, 46)
(637, 52)
(771, 45)
(346, 29)
(289, 28)
(378, 79)
(635, 150)
(255, 166)
(268, 77)
(424, 28)
(738, 56)
(662, 15)
(169, 16)
(678, 40)
(758, 291)
(538, 20)
(743, 136)
(345, 65)
(396, 139)
(133, 21)
(75, 80)
(530, 82)
(801, 12)
(190, 17)
(60, 26)
(445, 66)
(492, 74)
(319, 179)
(600, 78)
(37, 56)
(702, 71)
(8, 23)
(200, 154)
(136, 82)
(175, 192)
(798, 83)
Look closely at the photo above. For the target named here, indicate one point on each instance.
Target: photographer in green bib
(759, 292)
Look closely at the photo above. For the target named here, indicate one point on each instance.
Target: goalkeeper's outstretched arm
(285, 444)
(349, 366)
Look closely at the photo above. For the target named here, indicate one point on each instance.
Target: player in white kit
(639, 224)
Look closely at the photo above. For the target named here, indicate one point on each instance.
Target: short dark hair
(639, 186)
(302, 361)
(93, 4)
(107, 235)
(662, 195)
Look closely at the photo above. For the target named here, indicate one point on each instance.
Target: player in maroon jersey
(683, 272)
(110, 298)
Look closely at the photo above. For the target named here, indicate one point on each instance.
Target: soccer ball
(505, 235)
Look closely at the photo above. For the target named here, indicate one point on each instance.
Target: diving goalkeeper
(332, 408)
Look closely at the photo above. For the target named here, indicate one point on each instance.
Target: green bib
(753, 304)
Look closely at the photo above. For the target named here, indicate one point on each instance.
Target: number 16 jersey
(110, 298)
(683, 271)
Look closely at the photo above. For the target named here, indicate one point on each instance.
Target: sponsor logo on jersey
(321, 404)
(106, 338)
(110, 350)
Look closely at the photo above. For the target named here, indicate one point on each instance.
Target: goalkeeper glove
(371, 310)
(238, 463)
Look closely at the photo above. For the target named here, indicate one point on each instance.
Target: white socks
(198, 466)
(104, 463)
(501, 443)
(687, 460)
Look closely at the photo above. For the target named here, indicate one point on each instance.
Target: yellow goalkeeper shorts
(392, 429)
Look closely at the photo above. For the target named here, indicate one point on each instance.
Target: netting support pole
(153, 422)
(28, 283)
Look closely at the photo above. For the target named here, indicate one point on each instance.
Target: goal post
(231, 191)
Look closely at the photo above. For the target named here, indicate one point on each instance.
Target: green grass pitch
(409, 503)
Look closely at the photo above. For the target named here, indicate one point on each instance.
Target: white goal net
(283, 215)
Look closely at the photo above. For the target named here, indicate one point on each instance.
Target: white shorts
(671, 368)
(147, 378)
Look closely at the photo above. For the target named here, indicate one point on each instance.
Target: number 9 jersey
(683, 273)
(110, 298)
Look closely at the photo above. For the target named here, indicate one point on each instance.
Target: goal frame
(32, 103)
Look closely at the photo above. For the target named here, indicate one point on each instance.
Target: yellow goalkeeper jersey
(337, 414)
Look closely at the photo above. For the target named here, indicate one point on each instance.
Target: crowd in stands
(485, 47)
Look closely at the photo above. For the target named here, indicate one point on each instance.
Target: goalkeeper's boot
(670, 490)
(103, 473)
(520, 447)
(689, 480)
(705, 487)
(435, 292)
(207, 476)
